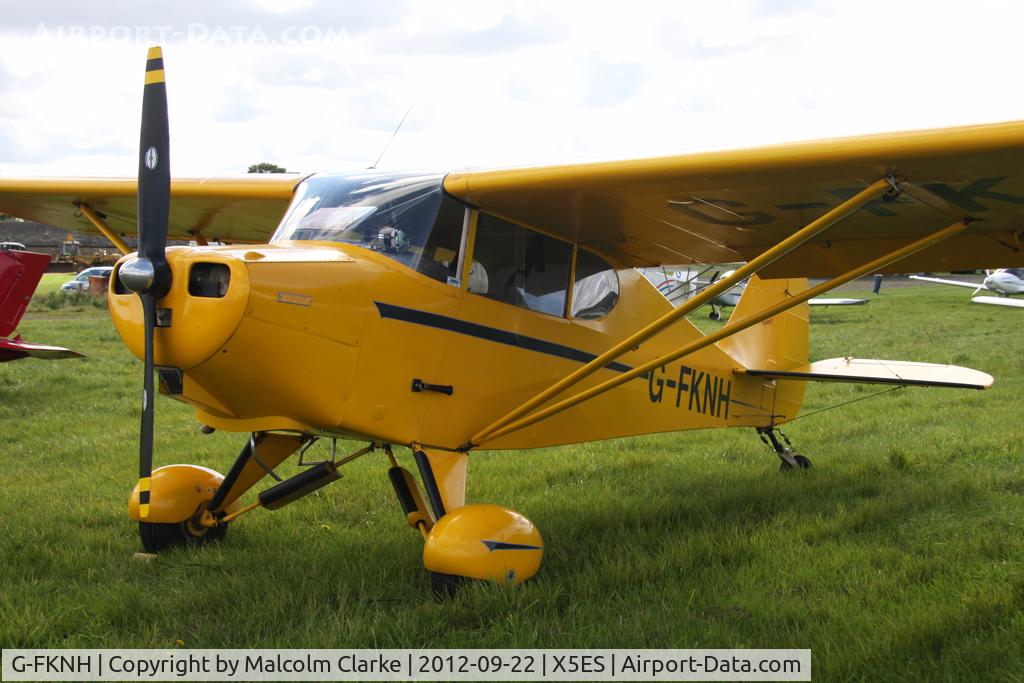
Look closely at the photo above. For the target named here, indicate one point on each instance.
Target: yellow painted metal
(315, 310)
(713, 207)
(363, 362)
(930, 199)
(114, 238)
(421, 527)
(794, 241)
(732, 328)
(781, 344)
(326, 311)
(176, 493)
(230, 209)
(211, 321)
(238, 513)
(487, 542)
(572, 279)
(450, 472)
(731, 205)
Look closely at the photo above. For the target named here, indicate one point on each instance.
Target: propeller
(148, 274)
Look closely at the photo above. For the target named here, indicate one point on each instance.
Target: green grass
(51, 282)
(899, 556)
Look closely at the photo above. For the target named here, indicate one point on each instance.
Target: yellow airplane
(501, 309)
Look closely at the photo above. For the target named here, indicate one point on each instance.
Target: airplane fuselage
(330, 338)
(1005, 281)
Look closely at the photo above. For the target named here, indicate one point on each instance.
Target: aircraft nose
(197, 316)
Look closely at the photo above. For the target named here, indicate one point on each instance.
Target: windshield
(387, 212)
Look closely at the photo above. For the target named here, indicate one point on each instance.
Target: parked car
(12, 246)
(80, 283)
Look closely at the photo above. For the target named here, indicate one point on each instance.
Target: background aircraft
(679, 283)
(1003, 281)
(20, 272)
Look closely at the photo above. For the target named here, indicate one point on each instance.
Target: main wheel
(801, 461)
(156, 536)
(714, 315)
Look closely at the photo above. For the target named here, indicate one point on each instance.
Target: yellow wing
(242, 209)
(731, 206)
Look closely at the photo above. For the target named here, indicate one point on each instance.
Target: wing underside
(243, 209)
(732, 206)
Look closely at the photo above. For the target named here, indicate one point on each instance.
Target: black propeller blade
(148, 275)
(154, 193)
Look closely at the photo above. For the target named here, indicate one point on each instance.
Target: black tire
(157, 536)
(446, 586)
(803, 462)
(715, 315)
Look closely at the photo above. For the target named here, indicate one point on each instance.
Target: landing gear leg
(790, 460)
(463, 542)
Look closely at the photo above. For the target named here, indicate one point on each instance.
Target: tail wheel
(803, 462)
(156, 536)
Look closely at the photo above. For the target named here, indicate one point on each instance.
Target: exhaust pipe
(300, 485)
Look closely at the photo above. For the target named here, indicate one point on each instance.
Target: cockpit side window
(440, 256)
(521, 267)
(596, 288)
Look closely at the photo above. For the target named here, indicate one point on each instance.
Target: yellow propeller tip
(154, 52)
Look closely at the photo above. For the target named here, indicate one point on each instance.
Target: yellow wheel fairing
(487, 542)
(176, 492)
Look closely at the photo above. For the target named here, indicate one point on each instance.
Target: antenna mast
(397, 128)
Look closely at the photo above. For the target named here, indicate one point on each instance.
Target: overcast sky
(317, 85)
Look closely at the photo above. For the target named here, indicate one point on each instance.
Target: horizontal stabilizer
(998, 301)
(869, 371)
(13, 349)
(837, 302)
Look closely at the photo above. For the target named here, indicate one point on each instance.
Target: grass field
(899, 556)
(51, 282)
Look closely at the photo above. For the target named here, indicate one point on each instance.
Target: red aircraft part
(20, 272)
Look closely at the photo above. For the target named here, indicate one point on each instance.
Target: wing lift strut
(528, 414)
(96, 218)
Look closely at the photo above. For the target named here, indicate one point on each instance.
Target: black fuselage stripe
(443, 322)
(502, 545)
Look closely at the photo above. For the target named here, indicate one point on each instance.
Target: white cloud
(500, 83)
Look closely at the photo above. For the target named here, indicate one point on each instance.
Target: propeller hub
(137, 275)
